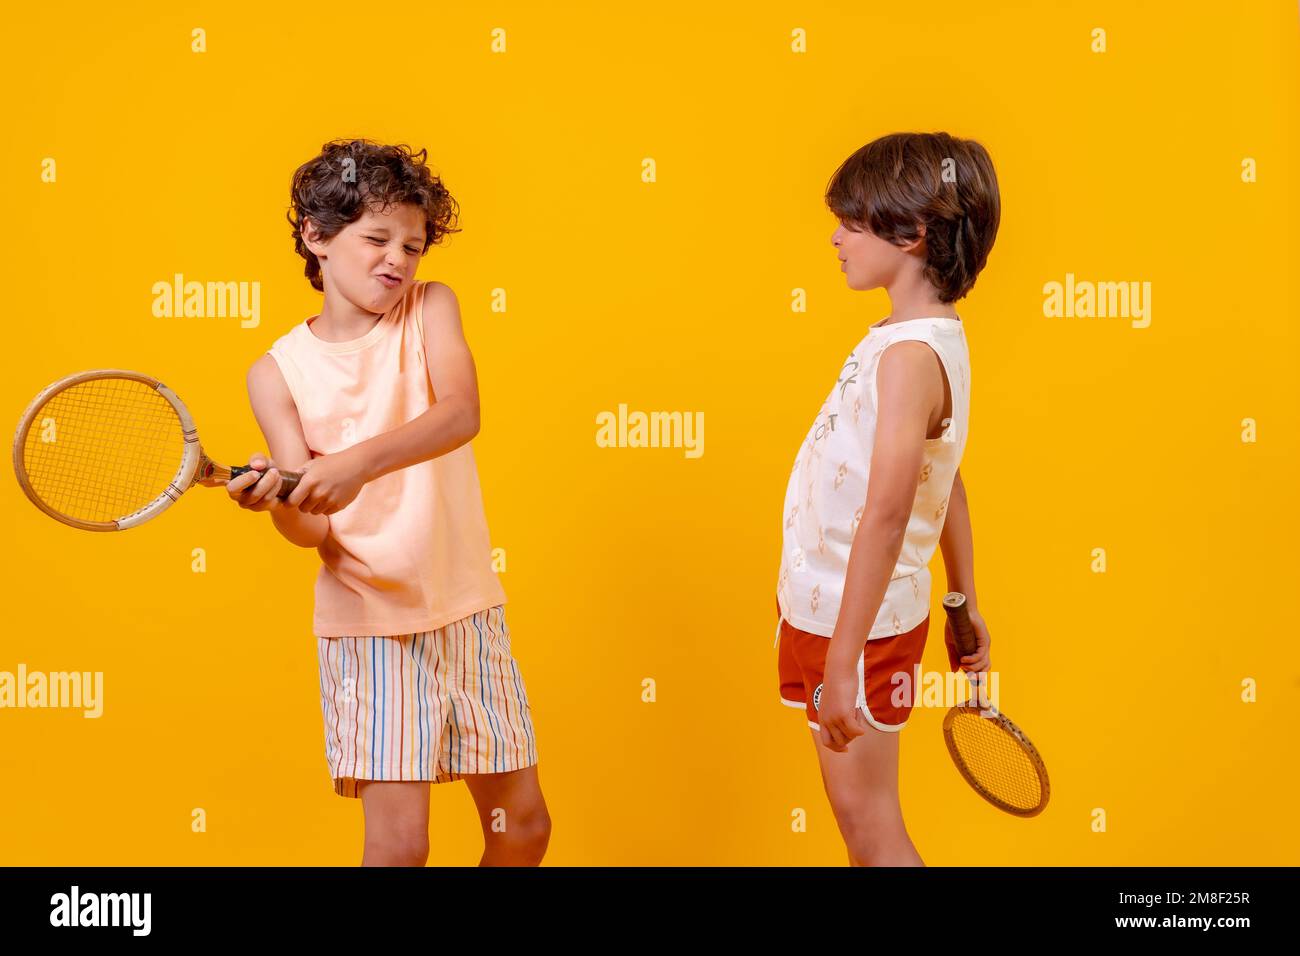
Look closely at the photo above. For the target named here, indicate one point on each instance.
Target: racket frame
(195, 466)
(954, 603)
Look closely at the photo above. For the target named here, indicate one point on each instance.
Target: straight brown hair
(897, 183)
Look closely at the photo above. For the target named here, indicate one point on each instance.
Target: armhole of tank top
(943, 364)
(949, 385)
(284, 364)
(417, 315)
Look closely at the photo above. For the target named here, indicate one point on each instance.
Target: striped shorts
(431, 706)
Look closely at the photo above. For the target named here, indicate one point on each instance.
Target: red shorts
(888, 672)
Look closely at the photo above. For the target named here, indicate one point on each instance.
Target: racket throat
(983, 692)
(210, 474)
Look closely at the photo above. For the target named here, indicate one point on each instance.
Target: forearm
(872, 559)
(443, 428)
(298, 527)
(957, 545)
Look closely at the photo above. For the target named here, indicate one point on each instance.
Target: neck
(912, 297)
(341, 321)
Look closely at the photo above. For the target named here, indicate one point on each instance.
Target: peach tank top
(411, 552)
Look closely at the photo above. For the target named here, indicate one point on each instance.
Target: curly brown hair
(353, 175)
(897, 182)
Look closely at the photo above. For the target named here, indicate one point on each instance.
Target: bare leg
(512, 812)
(397, 822)
(862, 785)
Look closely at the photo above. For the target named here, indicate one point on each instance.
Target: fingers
(303, 498)
(298, 494)
(979, 661)
(838, 740)
(855, 726)
(828, 739)
(258, 463)
(256, 492)
(309, 499)
(266, 488)
(237, 485)
(838, 733)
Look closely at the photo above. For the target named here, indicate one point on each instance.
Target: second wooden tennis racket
(992, 754)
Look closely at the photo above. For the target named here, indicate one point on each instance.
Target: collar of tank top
(925, 318)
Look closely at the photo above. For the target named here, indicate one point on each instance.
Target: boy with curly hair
(376, 400)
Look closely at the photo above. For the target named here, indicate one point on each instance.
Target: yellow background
(626, 564)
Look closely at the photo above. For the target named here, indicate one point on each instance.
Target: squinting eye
(414, 252)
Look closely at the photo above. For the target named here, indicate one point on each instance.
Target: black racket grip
(288, 479)
(954, 602)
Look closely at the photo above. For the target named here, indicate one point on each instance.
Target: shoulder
(438, 296)
(439, 310)
(907, 357)
(288, 342)
(265, 374)
(909, 375)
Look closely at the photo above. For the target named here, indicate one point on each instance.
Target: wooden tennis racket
(991, 753)
(108, 449)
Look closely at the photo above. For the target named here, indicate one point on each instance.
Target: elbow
(887, 525)
(472, 422)
(317, 541)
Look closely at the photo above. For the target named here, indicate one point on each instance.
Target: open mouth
(391, 281)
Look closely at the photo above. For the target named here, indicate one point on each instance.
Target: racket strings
(103, 449)
(996, 760)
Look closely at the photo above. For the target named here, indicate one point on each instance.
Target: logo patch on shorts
(817, 698)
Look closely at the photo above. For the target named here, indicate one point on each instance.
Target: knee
(533, 833)
(874, 839)
(526, 837)
(398, 846)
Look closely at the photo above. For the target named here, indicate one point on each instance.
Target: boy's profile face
(372, 261)
(869, 262)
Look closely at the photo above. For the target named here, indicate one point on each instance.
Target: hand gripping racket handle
(954, 602)
(288, 479)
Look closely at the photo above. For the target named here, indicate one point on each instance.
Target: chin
(384, 299)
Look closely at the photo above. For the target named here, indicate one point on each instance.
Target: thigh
(384, 708)
(862, 782)
(489, 728)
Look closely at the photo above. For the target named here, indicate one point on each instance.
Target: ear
(917, 244)
(311, 238)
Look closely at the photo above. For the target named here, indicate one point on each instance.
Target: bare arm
(908, 386)
(957, 546)
(902, 418)
(454, 418)
(277, 416)
(959, 565)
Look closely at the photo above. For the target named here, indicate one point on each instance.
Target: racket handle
(288, 479)
(954, 602)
